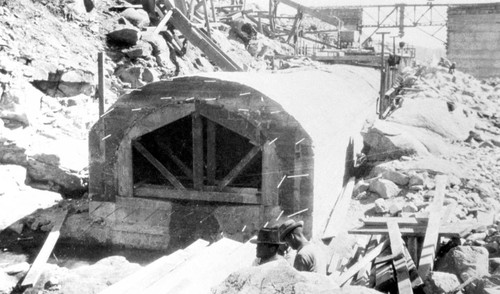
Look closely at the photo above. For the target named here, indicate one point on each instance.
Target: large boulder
(434, 115)
(384, 188)
(267, 278)
(20, 102)
(124, 36)
(441, 283)
(465, 262)
(137, 17)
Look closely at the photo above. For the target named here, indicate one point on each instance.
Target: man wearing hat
(268, 242)
(310, 257)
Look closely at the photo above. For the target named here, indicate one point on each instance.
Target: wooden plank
(162, 23)
(214, 16)
(211, 152)
(158, 165)
(413, 248)
(402, 274)
(185, 169)
(191, 9)
(162, 192)
(181, 6)
(38, 265)
(239, 167)
(427, 255)
(230, 121)
(363, 276)
(153, 272)
(191, 268)
(339, 211)
(294, 27)
(194, 36)
(401, 221)
(271, 175)
(368, 258)
(445, 230)
(198, 162)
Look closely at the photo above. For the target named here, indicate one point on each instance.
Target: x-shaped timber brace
(214, 115)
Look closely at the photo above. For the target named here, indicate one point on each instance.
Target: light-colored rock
(433, 115)
(141, 49)
(137, 17)
(410, 207)
(384, 188)
(380, 205)
(21, 102)
(465, 262)
(415, 180)
(395, 208)
(440, 283)
(268, 277)
(396, 177)
(14, 269)
(360, 187)
(7, 283)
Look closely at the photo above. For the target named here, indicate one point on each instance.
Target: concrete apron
(162, 225)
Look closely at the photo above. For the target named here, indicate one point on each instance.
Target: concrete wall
(474, 38)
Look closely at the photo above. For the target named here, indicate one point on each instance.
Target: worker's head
(267, 243)
(291, 232)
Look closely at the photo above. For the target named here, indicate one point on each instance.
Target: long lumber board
(215, 274)
(153, 272)
(339, 211)
(193, 266)
(369, 257)
(38, 265)
(428, 253)
(402, 274)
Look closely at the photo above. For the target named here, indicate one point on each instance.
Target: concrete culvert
(222, 154)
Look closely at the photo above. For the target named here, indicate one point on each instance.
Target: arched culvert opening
(166, 158)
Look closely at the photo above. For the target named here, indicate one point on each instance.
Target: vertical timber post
(100, 73)
(382, 76)
(207, 20)
(197, 149)
(211, 147)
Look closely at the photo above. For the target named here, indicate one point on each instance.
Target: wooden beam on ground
(339, 210)
(158, 165)
(198, 162)
(193, 35)
(211, 152)
(239, 167)
(233, 196)
(162, 23)
(427, 255)
(368, 258)
(38, 265)
(402, 274)
(153, 272)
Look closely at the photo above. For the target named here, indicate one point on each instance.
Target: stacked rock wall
(473, 38)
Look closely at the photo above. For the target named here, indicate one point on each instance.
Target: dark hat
(289, 226)
(267, 236)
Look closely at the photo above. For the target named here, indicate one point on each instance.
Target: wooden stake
(162, 23)
(403, 277)
(100, 72)
(213, 10)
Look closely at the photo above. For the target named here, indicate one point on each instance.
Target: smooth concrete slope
(332, 109)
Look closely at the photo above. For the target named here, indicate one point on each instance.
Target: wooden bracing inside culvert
(211, 152)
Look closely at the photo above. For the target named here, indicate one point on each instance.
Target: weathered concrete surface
(327, 121)
(473, 39)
